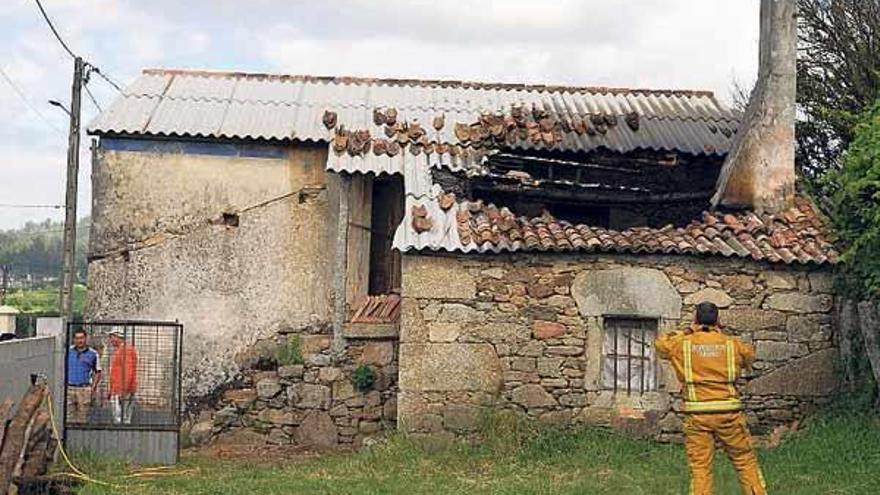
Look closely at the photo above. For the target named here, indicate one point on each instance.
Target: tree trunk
(869, 317)
(15, 434)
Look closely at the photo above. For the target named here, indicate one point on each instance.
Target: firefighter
(707, 363)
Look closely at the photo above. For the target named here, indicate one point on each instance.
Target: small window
(629, 362)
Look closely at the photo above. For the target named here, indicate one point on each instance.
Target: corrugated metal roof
(266, 107)
(399, 163)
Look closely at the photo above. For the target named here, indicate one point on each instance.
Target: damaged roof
(446, 224)
(371, 122)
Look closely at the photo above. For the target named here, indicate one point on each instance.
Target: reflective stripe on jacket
(707, 364)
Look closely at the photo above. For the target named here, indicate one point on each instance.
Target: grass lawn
(45, 300)
(830, 455)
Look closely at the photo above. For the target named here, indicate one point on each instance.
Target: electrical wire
(54, 31)
(26, 101)
(34, 233)
(92, 97)
(12, 205)
(107, 78)
(91, 67)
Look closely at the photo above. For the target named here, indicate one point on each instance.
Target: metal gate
(122, 389)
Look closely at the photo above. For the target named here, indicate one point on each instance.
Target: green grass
(832, 455)
(45, 300)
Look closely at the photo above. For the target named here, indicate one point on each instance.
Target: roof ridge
(356, 80)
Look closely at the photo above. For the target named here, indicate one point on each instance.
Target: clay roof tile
(744, 234)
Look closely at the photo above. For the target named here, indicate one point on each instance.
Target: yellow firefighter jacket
(707, 363)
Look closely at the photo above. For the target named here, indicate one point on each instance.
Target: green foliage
(832, 454)
(290, 353)
(838, 72)
(35, 249)
(856, 208)
(364, 378)
(45, 301)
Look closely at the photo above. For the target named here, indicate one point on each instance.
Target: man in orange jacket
(123, 377)
(707, 363)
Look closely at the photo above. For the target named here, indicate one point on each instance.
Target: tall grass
(833, 454)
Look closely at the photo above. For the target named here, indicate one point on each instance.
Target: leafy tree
(35, 249)
(856, 210)
(838, 79)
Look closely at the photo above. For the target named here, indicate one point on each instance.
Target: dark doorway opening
(388, 206)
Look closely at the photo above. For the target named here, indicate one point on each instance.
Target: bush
(856, 208)
(290, 353)
(364, 378)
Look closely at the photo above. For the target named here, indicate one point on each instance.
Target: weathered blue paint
(242, 150)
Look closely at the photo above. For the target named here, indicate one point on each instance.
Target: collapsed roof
(408, 127)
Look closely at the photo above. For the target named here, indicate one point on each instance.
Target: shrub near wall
(856, 209)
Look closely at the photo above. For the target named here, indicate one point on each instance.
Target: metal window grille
(629, 361)
(140, 382)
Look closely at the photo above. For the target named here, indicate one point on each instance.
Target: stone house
(475, 244)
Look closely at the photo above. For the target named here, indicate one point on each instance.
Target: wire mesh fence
(123, 374)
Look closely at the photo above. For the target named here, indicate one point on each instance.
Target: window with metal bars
(629, 363)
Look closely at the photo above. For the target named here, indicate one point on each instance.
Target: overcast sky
(685, 44)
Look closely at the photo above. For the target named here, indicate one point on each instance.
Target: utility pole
(68, 270)
(4, 283)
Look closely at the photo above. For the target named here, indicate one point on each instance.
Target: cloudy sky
(688, 44)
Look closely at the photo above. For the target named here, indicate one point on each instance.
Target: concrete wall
(159, 249)
(39, 355)
(525, 333)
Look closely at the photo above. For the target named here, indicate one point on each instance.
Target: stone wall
(161, 248)
(312, 404)
(524, 332)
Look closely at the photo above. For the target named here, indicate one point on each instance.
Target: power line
(26, 101)
(30, 233)
(54, 31)
(107, 78)
(92, 97)
(40, 232)
(91, 67)
(12, 205)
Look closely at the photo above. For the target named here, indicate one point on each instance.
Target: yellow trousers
(701, 431)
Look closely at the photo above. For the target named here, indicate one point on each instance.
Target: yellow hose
(77, 473)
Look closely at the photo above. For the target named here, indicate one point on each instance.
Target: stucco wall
(525, 333)
(159, 250)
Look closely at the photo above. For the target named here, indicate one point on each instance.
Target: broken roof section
(408, 127)
(453, 116)
(443, 223)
